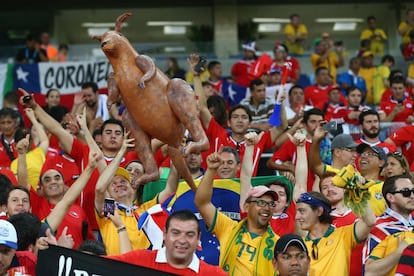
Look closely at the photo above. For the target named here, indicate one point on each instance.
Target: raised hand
(214, 161)
(78, 98)
(23, 145)
(94, 157)
(81, 118)
(128, 142)
(66, 240)
(252, 138)
(27, 99)
(299, 139)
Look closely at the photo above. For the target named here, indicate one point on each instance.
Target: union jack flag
(387, 224)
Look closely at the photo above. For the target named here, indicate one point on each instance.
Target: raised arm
(251, 139)
(81, 118)
(53, 126)
(171, 185)
(22, 176)
(204, 192)
(44, 140)
(315, 160)
(301, 168)
(365, 224)
(62, 207)
(205, 114)
(277, 131)
(106, 176)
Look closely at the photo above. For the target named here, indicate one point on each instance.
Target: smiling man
(246, 247)
(181, 237)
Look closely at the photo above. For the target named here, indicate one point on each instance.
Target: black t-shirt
(29, 55)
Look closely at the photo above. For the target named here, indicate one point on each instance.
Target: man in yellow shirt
(376, 35)
(367, 72)
(246, 247)
(325, 57)
(295, 34)
(405, 27)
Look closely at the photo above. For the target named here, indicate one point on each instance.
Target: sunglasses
(405, 192)
(315, 250)
(263, 203)
(397, 153)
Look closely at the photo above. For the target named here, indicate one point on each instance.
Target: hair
(57, 112)
(282, 184)
(174, 63)
(220, 110)
(352, 88)
(395, 72)
(11, 97)
(112, 121)
(371, 17)
(312, 111)
(5, 188)
(63, 46)
(294, 87)
(50, 91)
(319, 69)
(90, 84)
(389, 58)
(232, 151)
(94, 247)
(254, 83)
(21, 133)
(325, 217)
(367, 112)
(239, 106)
(293, 15)
(27, 227)
(9, 112)
(212, 63)
(389, 185)
(182, 215)
(397, 79)
(96, 132)
(353, 59)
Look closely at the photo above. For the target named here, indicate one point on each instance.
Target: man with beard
(369, 121)
(95, 103)
(246, 247)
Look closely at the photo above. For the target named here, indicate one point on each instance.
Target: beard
(370, 134)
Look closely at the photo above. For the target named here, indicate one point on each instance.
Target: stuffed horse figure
(156, 106)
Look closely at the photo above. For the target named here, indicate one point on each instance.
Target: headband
(308, 199)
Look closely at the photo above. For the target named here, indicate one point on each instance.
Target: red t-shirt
(240, 70)
(5, 160)
(218, 136)
(76, 219)
(388, 106)
(147, 258)
(288, 153)
(404, 138)
(341, 113)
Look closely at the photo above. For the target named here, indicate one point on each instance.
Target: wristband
(121, 229)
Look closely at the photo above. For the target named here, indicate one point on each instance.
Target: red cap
(10, 175)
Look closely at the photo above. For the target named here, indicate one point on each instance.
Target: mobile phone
(201, 63)
(109, 206)
(331, 126)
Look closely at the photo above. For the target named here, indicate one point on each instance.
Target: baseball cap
(367, 54)
(122, 172)
(333, 87)
(381, 153)
(343, 141)
(250, 46)
(287, 240)
(8, 235)
(261, 190)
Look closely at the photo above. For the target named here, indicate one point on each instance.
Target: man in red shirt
(317, 94)
(240, 69)
(398, 107)
(181, 238)
(404, 138)
(8, 125)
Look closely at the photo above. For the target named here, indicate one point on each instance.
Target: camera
(331, 126)
(27, 99)
(109, 206)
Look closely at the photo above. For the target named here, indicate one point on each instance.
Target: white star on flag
(21, 75)
(231, 93)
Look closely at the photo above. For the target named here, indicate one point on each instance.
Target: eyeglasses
(315, 250)
(263, 203)
(405, 192)
(369, 153)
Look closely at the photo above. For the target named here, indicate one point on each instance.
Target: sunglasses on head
(405, 192)
(397, 153)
